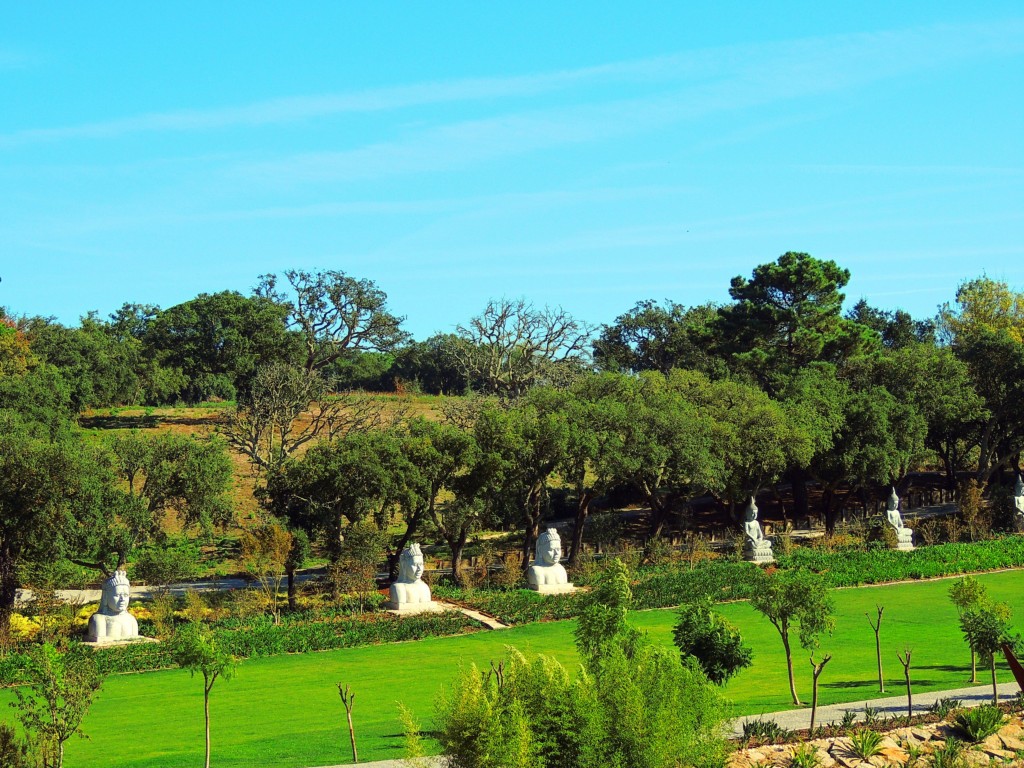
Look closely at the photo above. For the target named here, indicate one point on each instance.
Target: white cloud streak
(731, 80)
(715, 79)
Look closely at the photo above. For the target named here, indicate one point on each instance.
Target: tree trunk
(995, 685)
(206, 712)
(829, 510)
(582, 510)
(8, 589)
(457, 546)
(411, 527)
(789, 668)
(659, 514)
(533, 513)
(290, 573)
(974, 666)
(801, 507)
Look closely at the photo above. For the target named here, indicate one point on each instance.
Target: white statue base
(409, 609)
(759, 553)
(99, 644)
(905, 540)
(549, 579)
(554, 589)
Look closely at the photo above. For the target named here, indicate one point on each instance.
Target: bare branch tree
(335, 313)
(288, 407)
(512, 346)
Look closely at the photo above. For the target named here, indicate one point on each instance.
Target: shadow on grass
(119, 422)
(891, 685)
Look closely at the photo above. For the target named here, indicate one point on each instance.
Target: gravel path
(797, 719)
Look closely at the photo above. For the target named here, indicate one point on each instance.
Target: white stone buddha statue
(546, 574)
(756, 547)
(112, 622)
(904, 535)
(410, 592)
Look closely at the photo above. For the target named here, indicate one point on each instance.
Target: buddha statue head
(893, 503)
(549, 548)
(115, 595)
(410, 564)
(750, 513)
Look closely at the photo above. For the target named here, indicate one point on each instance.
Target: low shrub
(805, 756)
(865, 743)
(764, 732)
(850, 567)
(259, 636)
(942, 707)
(979, 723)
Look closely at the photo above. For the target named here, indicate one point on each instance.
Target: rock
(825, 759)
(895, 754)
(1011, 743)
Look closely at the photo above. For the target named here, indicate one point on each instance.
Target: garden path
(800, 719)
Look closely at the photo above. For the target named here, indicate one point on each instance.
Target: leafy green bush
(850, 567)
(979, 723)
(258, 636)
(942, 707)
(764, 732)
(714, 643)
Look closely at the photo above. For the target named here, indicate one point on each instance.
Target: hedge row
(850, 567)
(260, 637)
(664, 586)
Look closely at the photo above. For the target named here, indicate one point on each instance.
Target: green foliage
(852, 566)
(949, 755)
(794, 598)
(941, 708)
(757, 730)
(602, 620)
(216, 342)
(15, 752)
(978, 723)
(805, 756)
(172, 561)
(59, 691)
(788, 316)
(712, 641)
(865, 743)
(652, 337)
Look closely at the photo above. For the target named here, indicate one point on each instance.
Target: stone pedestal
(554, 589)
(905, 539)
(758, 552)
(411, 609)
(138, 640)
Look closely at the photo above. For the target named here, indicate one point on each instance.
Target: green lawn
(285, 711)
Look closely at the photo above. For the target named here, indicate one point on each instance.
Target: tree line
(779, 386)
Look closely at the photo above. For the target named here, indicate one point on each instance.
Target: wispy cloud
(731, 79)
(721, 78)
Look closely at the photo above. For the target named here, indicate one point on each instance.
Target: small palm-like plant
(804, 756)
(979, 723)
(865, 743)
(949, 755)
(942, 707)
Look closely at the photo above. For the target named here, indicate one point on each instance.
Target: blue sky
(587, 155)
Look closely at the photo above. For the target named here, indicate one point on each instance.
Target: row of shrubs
(259, 636)
(667, 585)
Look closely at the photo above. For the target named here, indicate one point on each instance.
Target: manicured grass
(285, 711)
